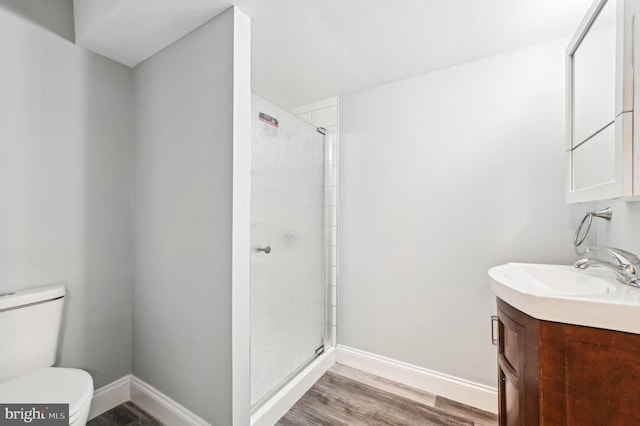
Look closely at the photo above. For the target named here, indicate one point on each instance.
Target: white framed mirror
(600, 104)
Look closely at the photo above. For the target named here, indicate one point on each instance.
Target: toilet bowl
(52, 386)
(30, 322)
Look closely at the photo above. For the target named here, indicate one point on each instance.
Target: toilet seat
(51, 385)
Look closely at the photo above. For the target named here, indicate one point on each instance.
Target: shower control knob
(266, 249)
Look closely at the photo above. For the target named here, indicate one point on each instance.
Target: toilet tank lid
(16, 298)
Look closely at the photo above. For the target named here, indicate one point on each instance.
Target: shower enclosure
(288, 240)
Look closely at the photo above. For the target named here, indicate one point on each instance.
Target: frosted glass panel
(287, 215)
(594, 160)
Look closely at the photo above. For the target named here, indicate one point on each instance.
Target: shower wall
(325, 114)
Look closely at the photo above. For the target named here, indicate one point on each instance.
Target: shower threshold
(268, 412)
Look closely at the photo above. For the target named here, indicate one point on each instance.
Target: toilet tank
(29, 329)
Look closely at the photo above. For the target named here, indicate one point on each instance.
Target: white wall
(184, 176)
(441, 177)
(65, 185)
(624, 227)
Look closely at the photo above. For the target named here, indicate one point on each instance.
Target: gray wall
(65, 185)
(441, 177)
(55, 16)
(183, 208)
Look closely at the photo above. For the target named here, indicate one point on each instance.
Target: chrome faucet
(625, 265)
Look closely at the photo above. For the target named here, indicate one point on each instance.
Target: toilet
(29, 328)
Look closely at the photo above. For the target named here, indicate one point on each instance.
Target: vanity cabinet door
(559, 374)
(590, 376)
(510, 366)
(509, 400)
(517, 362)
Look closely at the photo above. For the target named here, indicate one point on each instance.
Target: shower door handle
(266, 249)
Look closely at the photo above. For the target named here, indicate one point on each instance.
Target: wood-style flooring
(345, 396)
(127, 414)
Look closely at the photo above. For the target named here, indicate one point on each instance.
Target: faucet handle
(623, 257)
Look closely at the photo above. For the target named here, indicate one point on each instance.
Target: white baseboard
(161, 406)
(110, 396)
(168, 411)
(131, 388)
(464, 391)
(145, 396)
(278, 405)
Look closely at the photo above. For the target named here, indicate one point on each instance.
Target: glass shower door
(288, 243)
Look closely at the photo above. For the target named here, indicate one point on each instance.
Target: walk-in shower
(289, 247)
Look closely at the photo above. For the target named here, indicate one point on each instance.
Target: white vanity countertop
(562, 293)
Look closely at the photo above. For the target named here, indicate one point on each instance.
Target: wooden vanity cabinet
(560, 374)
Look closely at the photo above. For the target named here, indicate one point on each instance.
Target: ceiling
(307, 50)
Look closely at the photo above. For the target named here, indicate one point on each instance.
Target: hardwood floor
(345, 396)
(127, 414)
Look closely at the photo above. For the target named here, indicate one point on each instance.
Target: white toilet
(29, 328)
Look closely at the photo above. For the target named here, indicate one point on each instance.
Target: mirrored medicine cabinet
(600, 103)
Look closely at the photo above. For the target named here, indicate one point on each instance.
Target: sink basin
(550, 280)
(562, 293)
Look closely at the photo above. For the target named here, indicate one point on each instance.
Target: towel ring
(588, 218)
